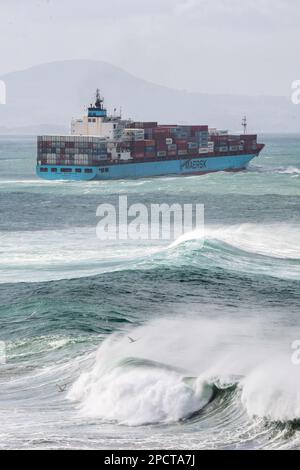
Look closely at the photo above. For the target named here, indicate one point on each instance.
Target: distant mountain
(45, 97)
(34, 129)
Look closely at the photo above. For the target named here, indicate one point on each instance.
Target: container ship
(103, 147)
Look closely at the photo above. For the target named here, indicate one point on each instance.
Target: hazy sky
(216, 46)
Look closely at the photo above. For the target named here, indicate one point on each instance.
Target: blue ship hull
(126, 170)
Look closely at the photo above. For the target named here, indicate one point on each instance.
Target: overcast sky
(215, 46)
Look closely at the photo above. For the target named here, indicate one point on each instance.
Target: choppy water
(211, 367)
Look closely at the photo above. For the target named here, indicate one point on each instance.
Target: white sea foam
(33, 256)
(139, 396)
(272, 390)
(289, 170)
(274, 240)
(138, 393)
(212, 350)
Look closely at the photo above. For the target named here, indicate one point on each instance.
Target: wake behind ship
(103, 147)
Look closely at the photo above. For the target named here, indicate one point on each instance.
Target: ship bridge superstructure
(98, 123)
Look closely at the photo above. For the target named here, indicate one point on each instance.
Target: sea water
(214, 316)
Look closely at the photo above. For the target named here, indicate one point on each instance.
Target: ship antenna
(244, 124)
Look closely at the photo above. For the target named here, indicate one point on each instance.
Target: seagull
(31, 315)
(131, 340)
(62, 388)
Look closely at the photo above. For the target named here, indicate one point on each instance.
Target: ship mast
(244, 124)
(99, 100)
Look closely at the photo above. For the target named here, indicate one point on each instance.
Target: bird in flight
(131, 340)
(62, 388)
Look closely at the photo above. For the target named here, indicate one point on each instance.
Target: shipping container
(192, 145)
(172, 147)
(144, 125)
(149, 142)
(150, 154)
(199, 128)
(181, 147)
(161, 146)
(138, 155)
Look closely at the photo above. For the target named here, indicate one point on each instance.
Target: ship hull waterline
(135, 170)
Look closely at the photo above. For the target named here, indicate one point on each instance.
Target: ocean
(215, 323)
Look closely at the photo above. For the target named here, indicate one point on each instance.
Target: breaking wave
(273, 240)
(210, 367)
(64, 254)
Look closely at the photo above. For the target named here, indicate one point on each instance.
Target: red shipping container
(137, 155)
(161, 147)
(181, 141)
(138, 145)
(148, 125)
(149, 142)
(161, 132)
(167, 126)
(150, 155)
(161, 137)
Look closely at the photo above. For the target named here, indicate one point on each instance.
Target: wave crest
(212, 359)
(134, 394)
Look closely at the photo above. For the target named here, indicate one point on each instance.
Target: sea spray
(213, 353)
(34, 256)
(272, 390)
